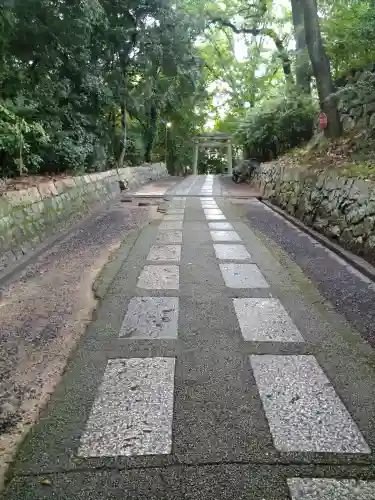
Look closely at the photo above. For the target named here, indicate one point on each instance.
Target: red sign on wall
(323, 120)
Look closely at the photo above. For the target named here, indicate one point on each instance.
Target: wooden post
(195, 160)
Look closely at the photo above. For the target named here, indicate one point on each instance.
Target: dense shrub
(276, 125)
(21, 140)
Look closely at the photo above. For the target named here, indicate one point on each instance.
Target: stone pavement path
(208, 374)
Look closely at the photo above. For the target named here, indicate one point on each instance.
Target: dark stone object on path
(123, 185)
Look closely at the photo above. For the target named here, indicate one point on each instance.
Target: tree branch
(262, 31)
(212, 71)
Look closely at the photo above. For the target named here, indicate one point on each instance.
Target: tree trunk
(151, 132)
(321, 68)
(123, 125)
(303, 70)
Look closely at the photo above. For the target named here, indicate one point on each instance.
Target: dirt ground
(45, 310)
(27, 181)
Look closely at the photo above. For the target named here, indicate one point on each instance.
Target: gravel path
(351, 293)
(46, 309)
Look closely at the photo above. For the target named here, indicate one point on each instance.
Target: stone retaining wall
(356, 99)
(29, 216)
(340, 207)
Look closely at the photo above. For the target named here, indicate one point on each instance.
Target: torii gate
(212, 140)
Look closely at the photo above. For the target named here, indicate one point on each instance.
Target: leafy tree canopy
(93, 84)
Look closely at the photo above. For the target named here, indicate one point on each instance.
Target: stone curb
(360, 264)
(108, 273)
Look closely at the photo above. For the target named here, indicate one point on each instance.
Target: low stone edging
(341, 208)
(29, 216)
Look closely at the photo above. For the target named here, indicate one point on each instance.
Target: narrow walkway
(208, 374)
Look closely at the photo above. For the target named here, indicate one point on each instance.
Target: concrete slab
(231, 252)
(132, 414)
(170, 225)
(302, 408)
(225, 236)
(151, 318)
(165, 253)
(220, 226)
(169, 237)
(242, 276)
(159, 277)
(215, 217)
(212, 211)
(177, 217)
(265, 320)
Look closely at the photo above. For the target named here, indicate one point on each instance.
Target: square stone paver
(225, 236)
(151, 318)
(175, 211)
(212, 211)
(265, 320)
(220, 226)
(231, 252)
(165, 252)
(179, 217)
(159, 277)
(133, 411)
(242, 276)
(170, 224)
(169, 237)
(304, 412)
(215, 217)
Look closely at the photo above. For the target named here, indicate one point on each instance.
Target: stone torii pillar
(229, 158)
(195, 159)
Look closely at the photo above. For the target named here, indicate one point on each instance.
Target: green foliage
(80, 64)
(349, 33)
(212, 162)
(85, 66)
(20, 140)
(279, 124)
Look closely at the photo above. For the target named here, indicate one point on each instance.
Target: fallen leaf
(45, 482)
